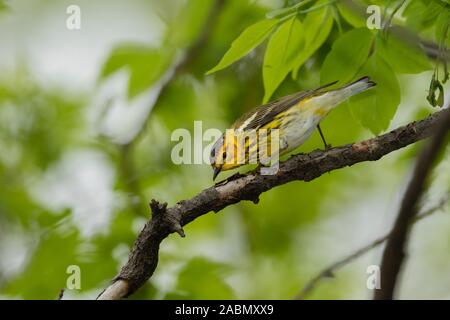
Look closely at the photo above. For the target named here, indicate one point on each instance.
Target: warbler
(295, 116)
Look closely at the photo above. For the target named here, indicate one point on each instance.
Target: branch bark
(394, 252)
(143, 258)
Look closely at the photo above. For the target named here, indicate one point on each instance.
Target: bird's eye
(213, 153)
(224, 155)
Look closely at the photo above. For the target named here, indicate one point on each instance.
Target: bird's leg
(327, 146)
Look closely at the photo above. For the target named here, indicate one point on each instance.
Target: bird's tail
(356, 87)
(327, 100)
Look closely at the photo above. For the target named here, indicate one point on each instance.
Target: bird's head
(222, 155)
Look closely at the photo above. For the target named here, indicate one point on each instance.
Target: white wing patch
(246, 122)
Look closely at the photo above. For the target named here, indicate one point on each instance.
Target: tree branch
(331, 269)
(394, 253)
(143, 258)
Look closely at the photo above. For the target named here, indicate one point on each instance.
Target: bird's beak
(216, 172)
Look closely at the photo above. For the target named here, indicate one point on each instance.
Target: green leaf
(346, 57)
(145, 64)
(442, 28)
(403, 52)
(316, 27)
(375, 108)
(246, 42)
(414, 14)
(434, 8)
(281, 52)
(146, 70)
(120, 57)
(354, 18)
(422, 15)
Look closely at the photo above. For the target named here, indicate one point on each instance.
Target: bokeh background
(85, 144)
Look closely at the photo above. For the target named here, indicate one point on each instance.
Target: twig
(143, 258)
(394, 252)
(330, 270)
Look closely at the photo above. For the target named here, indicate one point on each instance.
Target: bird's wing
(267, 112)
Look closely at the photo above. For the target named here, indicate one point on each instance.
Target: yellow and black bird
(295, 116)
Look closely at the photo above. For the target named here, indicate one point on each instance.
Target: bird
(295, 116)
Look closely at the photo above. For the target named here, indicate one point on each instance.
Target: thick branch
(143, 258)
(394, 253)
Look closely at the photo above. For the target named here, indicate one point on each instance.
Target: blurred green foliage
(146, 65)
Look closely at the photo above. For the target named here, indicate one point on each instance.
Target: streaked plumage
(295, 116)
